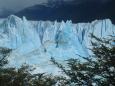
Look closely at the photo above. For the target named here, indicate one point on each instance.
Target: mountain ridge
(83, 12)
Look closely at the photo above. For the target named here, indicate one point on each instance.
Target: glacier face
(35, 42)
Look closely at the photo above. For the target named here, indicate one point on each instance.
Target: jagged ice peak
(35, 42)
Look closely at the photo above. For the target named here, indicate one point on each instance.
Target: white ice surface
(35, 42)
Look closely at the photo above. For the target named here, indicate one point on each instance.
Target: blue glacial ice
(35, 42)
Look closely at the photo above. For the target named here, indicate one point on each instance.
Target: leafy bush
(98, 69)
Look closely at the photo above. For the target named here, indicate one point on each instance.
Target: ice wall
(35, 42)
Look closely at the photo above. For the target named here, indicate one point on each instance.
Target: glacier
(35, 42)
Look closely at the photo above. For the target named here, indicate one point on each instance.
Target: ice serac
(35, 42)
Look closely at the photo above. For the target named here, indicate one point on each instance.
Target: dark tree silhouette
(4, 53)
(22, 76)
(98, 69)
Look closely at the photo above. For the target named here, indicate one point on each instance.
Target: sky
(17, 5)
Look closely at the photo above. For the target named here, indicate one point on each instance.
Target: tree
(4, 53)
(22, 76)
(98, 69)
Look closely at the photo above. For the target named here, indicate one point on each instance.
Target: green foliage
(98, 69)
(4, 53)
(22, 76)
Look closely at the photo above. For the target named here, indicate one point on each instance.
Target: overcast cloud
(17, 5)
